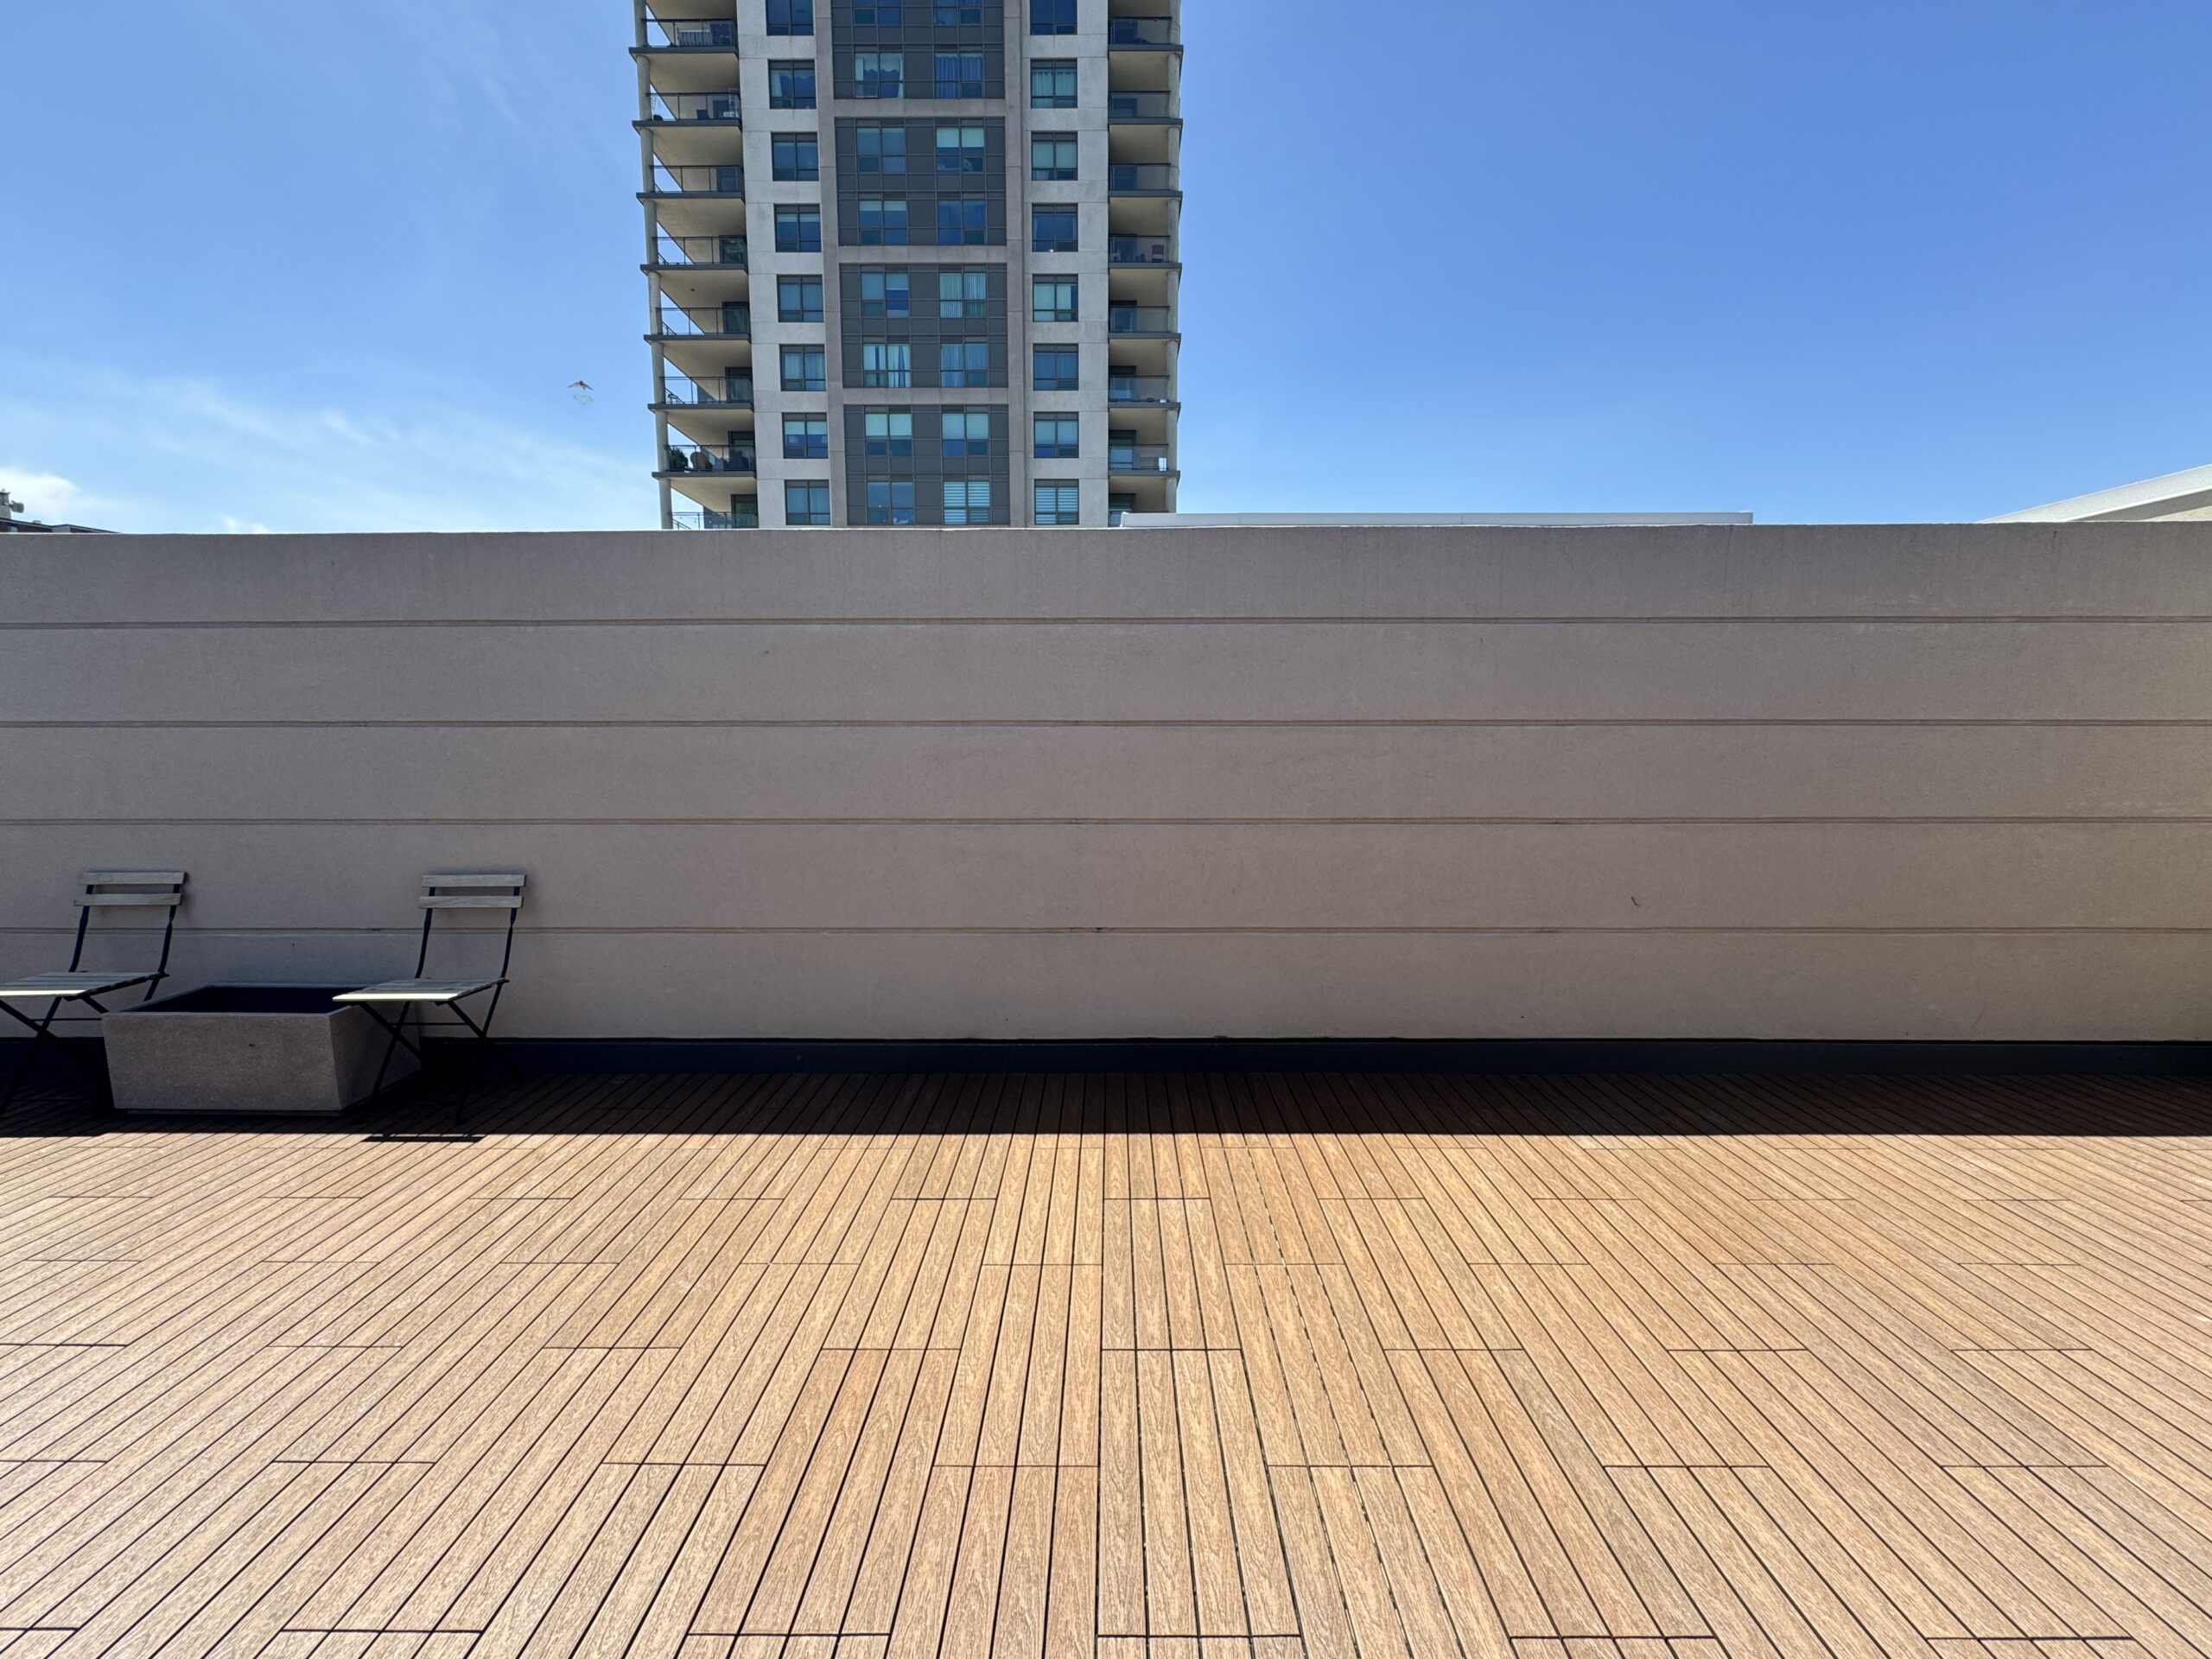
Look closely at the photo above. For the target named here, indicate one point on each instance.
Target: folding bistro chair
(494, 890)
(99, 890)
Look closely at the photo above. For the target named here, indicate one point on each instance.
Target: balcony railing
(1140, 251)
(731, 321)
(1139, 175)
(691, 34)
(677, 108)
(1139, 389)
(726, 180)
(745, 515)
(716, 392)
(721, 252)
(1139, 458)
(711, 458)
(1140, 106)
(1139, 31)
(1140, 320)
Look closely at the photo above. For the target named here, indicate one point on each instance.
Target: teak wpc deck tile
(1269, 1366)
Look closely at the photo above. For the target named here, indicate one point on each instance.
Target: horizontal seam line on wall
(1776, 821)
(1078, 929)
(1836, 620)
(1318, 723)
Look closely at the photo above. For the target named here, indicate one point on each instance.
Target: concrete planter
(246, 1048)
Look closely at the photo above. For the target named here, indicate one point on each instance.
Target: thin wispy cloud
(194, 455)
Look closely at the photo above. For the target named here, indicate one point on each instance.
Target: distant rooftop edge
(1497, 520)
(2178, 496)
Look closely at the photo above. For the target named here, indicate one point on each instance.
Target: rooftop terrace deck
(1561, 1368)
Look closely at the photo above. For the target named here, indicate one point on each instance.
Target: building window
(1051, 83)
(962, 221)
(959, 74)
(806, 503)
(888, 432)
(886, 294)
(798, 299)
(965, 16)
(1052, 17)
(1059, 438)
(967, 432)
(791, 16)
(806, 368)
(963, 294)
(960, 150)
(796, 155)
(886, 362)
(883, 221)
(790, 86)
(1051, 230)
(884, 14)
(1116, 506)
(881, 150)
(890, 501)
(1057, 504)
(1051, 156)
(1057, 369)
(879, 74)
(798, 230)
(963, 363)
(1052, 299)
(967, 500)
(806, 437)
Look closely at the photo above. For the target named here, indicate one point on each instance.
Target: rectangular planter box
(247, 1048)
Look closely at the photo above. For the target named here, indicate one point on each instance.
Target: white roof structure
(1493, 520)
(2177, 498)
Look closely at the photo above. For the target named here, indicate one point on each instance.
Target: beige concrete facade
(1722, 782)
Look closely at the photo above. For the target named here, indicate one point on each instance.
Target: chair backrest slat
(134, 878)
(90, 900)
(144, 890)
(472, 901)
(475, 879)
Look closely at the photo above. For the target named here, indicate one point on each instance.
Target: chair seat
(420, 990)
(67, 988)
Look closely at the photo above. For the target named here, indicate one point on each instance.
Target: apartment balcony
(1143, 35)
(694, 128)
(1153, 390)
(677, 323)
(1150, 252)
(743, 514)
(1138, 108)
(706, 411)
(702, 461)
(1141, 458)
(662, 36)
(721, 179)
(697, 201)
(700, 272)
(1143, 179)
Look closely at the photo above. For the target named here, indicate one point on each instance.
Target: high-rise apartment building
(911, 262)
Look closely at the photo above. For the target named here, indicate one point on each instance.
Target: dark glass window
(881, 150)
(959, 74)
(1053, 299)
(790, 86)
(806, 437)
(963, 363)
(960, 150)
(891, 501)
(1052, 17)
(966, 432)
(963, 294)
(791, 16)
(967, 500)
(1059, 438)
(1057, 503)
(806, 368)
(962, 221)
(797, 155)
(881, 14)
(798, 299)
(806, 503)
(886, 294)
(798, 230)
(1051, 156)
(879, 74)
(1057, 369)
(966, 14)
(888, 431)
(1051, 83)
(883, 221)
(1051, 230)
(886, 362)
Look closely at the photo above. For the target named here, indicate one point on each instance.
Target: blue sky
(333, 268)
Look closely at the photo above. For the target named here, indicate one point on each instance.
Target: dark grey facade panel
(927, 469)
(926, 328)
(922, 186)
(974, 28)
